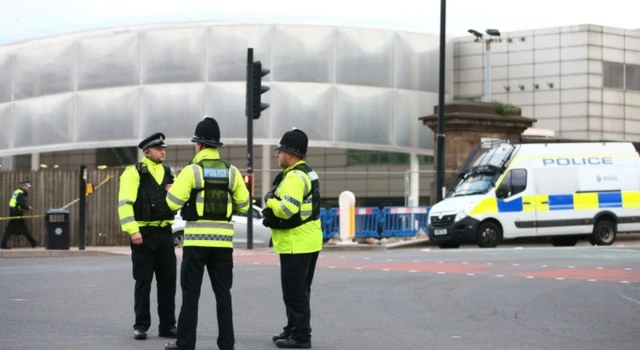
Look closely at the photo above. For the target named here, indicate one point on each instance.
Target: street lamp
(494, 36)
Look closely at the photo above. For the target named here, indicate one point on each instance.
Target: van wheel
(489, 235)
(178, 237)
(565, 241)
(604, 233)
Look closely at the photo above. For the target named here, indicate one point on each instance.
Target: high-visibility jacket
(288, 201)
(128, 196)
(18, 202)
(190, 186)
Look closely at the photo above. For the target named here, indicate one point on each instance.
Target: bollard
(347, 202)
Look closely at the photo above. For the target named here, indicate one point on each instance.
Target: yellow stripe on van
(532, 204)
(631, 199)
(540, 206)
(583, 201)
(486, 206)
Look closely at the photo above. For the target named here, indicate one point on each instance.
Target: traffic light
(248, 181)
(255, 89)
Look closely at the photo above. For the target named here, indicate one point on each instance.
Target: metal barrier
(377, 223)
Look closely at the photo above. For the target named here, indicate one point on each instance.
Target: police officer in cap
(145, 216)
(293, 214)
(18, 207)
(208, 191)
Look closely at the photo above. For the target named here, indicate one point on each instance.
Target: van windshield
(478, 183)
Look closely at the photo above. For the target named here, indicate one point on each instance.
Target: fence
(53, 189)
(378, 223)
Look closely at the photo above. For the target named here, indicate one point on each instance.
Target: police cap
(294, 141)
(154, 140)
(207, 132)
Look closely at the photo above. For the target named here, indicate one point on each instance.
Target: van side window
(513, 183)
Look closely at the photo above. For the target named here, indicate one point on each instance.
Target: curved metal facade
(346, 87)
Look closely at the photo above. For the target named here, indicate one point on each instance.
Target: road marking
(426, 250)
(415, 260)
(591, 280)
(441, 273)
(515, 264)
(455, 336)
(358, 268)
(543, 265)
(385, 270)
(389, 259)
(599, 267)
(489, 263)
(518, 248)
(465, 263)
(470, 274)
(629, 298)
(18, 299)
(440, 262)
(628, 269)
(559, 278)
(499, 275)
(625, 282)
(571, 267)
(413, 270)
(366, 258)
(256, 263)
(529, 277)
(332, 267)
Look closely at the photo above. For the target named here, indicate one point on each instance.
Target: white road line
(332, 267)
(591, 280)
(571, 267)
(625, 282)
(358, 268)
(441, 273)
(18, 299)
(413, 270)
(628, 298)
(465, 263)
(628, 269)
(385, 269)
(560, 278)
(499, 275)
(543, 265)
(515, 264)
(469, 274)
(529, 277)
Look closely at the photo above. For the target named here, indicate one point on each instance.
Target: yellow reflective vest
(15, 207)
(306, 238)
(207, 233)
(128, 193)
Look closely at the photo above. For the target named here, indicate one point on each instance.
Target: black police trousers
(156, 255)
(17, 226)
(219, 264)
(296, 276)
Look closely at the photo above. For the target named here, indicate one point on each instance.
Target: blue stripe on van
(514, 205)
(560, 202)
(610, 200)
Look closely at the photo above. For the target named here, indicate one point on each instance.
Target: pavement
(511, 297)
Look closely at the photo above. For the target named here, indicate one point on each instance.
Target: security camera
(493, 32)
(476, 33)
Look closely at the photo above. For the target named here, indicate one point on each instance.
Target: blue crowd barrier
(378, 223)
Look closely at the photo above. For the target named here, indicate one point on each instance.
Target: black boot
(139, 334)
(290, 343)
(170, 333)
(283, 335)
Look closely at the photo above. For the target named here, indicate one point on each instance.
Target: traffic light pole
(440, 134)
(249, 112)
(82, 225)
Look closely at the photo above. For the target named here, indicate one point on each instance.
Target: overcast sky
(25, 19)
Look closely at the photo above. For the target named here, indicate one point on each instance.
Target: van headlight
(464, 211)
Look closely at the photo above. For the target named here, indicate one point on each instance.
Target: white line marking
(385, 269)
(413, 270)
(515, 264)
(441, 273)
(591, 280)
(358, 268)
(560, 278)
(366, 258)
(543, 265)
(455, 336)
(571, 267)
(469, 274)
(425, 250)
(332, 267)
(389, 259)
(256, 263)
(529, 277)
(18, 299)
(518, 248)
(465, 263)
(415, 260)
(440, 262)
(489, 264)
(629, 298)
(628, 269)
(625, 282)
(499, 275)
(599, 267)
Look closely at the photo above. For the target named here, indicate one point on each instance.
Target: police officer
(145, 216)
(17, 208)
(293, 214)
(208, 191)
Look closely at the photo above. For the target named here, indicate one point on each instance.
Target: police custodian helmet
(207, 132)
(294, 141)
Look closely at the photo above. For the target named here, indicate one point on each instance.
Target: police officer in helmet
(146, 217)
(293, 214)
(208, 191)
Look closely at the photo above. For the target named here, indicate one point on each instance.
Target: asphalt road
(505, 298)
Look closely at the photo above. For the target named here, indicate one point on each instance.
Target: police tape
(109, 177)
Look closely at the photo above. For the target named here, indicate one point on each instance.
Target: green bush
(506, 108)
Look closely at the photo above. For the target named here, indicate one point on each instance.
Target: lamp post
(494, 36)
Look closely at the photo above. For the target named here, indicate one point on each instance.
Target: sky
(28, 19)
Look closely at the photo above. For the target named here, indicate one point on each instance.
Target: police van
(565, 191)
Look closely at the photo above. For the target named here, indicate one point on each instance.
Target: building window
(613, 75)
(358, 157)
(632, 77)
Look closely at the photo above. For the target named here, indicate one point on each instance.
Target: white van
(565, 191)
